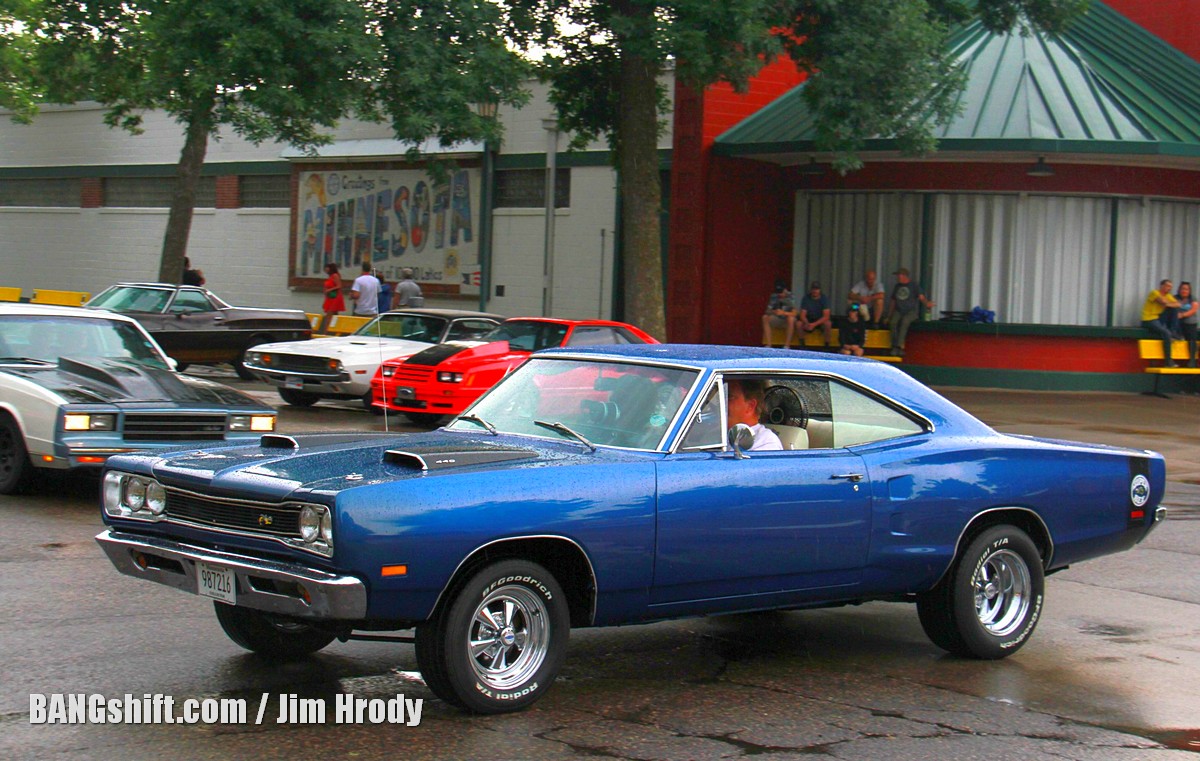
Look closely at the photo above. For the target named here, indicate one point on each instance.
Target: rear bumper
(285, 588)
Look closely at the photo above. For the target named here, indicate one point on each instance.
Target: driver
(745, 400)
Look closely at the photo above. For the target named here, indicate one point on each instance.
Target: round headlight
(156, 498)
(310, 523)
(112, 492)
(327, 528)
(135, 493)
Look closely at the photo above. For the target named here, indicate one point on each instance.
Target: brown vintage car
(194, 326)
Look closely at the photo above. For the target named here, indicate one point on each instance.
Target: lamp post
(551, 127)
(487, 110)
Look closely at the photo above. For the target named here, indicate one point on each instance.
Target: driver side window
(187, 302)
(705, 430)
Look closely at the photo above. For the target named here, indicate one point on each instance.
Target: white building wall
(244, 252)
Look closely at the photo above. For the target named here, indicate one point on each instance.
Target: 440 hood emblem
(265, 520)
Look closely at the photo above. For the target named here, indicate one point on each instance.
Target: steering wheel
(783, 406)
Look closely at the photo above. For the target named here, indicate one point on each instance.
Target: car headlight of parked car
(258, 359)
(89, 421)
(256, 423)
(388, 371)
(446, 377)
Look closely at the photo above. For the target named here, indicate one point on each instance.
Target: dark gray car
(194, 326)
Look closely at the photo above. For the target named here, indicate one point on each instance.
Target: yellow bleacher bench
(10, 293)
(1151, 350)
(59, 298)
(345, 324)
(877, 340)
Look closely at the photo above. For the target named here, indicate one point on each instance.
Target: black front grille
(298, 363)
(174, 427)
(406, 373)
(256, 517)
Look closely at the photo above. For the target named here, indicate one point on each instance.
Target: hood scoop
(443, 458)
(91, 372)
(309, 441)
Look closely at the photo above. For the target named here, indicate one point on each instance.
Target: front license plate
(296, 383)
(405, 392)
(215, 581)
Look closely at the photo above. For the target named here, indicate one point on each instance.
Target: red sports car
(445, 379)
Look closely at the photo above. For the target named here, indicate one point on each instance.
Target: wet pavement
(1112, 672)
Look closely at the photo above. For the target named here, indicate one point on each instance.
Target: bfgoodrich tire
(989, 603)
(500, 641)
(268, 635)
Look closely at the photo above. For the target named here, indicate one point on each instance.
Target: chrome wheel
(508, 637)
(1002, 592)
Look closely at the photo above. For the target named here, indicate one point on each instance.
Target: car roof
(881, 377)
(60, 311)
(449, 313)
(565, 321)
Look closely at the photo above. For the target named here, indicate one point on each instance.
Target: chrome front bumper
(285, 588)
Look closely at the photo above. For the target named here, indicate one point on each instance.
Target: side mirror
(741, 438)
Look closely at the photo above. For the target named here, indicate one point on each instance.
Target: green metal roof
(1105, 85)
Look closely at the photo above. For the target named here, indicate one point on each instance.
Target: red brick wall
(229, 192)
(699, 274)
(1176, 22)
(91, 193)
(986, 176)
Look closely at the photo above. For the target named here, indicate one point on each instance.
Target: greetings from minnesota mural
(394, 219)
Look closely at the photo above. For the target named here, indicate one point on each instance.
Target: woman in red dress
(334, 303)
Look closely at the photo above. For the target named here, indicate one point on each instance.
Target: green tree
(265, 69)
(17, 89)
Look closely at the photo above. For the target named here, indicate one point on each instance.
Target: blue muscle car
(606, 486)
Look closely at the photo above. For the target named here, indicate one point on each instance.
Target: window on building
(526, 188)
(52, 191)
(266, 191)
(154, 192)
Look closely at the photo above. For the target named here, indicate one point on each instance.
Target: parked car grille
(242, 515)
(174, 427)
(406, 373)
(299, 363)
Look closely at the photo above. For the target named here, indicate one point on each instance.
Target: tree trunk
(183, 201)
(641, 196)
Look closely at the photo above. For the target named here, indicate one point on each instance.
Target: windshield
(124, 298)
(528, 335)
(410, 327)
(607, 403)
(46, 338)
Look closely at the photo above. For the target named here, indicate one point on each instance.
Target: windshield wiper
(556, 426)
(28, 360)
(475, 419)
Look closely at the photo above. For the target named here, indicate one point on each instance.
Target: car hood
(115, 381)
(466, 353)
(332, 462)
(347, 348)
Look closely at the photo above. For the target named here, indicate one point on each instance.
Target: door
(765, 527)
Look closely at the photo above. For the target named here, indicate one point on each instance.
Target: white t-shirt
(366, 286)
(863, 290)
(764, 438)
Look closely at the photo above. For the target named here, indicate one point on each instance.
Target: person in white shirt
(408, 293)
(365, 293)
(868, 294)
(745, 399)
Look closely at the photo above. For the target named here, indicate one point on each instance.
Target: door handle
(852, 477)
